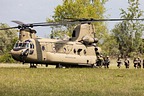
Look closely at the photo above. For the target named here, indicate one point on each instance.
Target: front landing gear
(59, 66)
(32, 65)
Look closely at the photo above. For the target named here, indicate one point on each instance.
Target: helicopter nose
(16, 54)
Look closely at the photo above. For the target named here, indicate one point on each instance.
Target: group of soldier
(136, 61)
(126, 62)
(105, 61)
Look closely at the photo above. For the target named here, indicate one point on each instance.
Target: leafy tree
(129, 33)
(80, 9)
(7, 40)
(110, 46)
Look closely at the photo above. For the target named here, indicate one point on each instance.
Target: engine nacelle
(89, 39)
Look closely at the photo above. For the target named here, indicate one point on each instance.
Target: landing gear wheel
(93, 66)
(33, 66)
(59, 66)
(46, 65)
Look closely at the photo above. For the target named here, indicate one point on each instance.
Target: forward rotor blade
(21, 24)
(18, 22)
(8, 28)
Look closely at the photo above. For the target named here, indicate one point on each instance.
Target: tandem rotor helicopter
(80, 50)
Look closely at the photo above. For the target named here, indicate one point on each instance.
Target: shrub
(6, 58)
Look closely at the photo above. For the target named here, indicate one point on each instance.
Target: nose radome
(13, 52)
(16, 54)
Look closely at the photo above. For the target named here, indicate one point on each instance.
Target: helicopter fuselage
(79, 50)
(54, 52)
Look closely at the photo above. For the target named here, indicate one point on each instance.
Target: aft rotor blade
(118, 20)
(56, 23)
(40, 23)
(80, 21)
(102, 20)
(18, 22)
(75, 21)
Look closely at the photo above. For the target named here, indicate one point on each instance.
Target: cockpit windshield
(24, 45)
(21, 45)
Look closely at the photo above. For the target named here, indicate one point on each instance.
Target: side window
(74, 51)
(79, 51)
(84, 52)
(64, 50)
(32, 46)
(53, 48)
(74, 34)
(43, 48)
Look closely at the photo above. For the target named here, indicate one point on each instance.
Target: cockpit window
(27, 44)
(74, 34)
(16, 45)
(32, 46)
(22, 45)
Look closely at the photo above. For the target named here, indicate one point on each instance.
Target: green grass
(71, 82)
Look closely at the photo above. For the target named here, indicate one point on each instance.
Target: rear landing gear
(46, 65)
(32, 65)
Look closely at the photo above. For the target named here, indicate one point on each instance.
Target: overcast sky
(30, 11)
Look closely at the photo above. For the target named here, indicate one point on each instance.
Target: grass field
(18, 81)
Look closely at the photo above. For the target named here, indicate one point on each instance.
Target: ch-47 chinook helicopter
(80, 50)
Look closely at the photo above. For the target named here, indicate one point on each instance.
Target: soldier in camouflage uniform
(135, 61)
(126, 62)
(119, 62)
(106, 62)
(100, 61)
(139, 63)
(97, 61)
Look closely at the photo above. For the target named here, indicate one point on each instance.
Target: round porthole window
(74, 51)
(64, 49)
(84, 52)
(43, 48)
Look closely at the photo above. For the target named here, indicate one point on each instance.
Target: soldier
(135, 61)
(119, 62)
(99, 61)
(106, 62)
(139, 63)
(126, 62)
